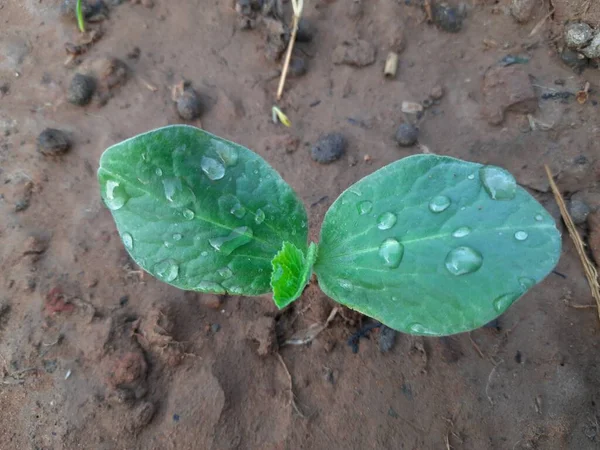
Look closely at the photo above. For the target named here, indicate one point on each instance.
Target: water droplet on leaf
(238, 210)
(539, 217)
(235, 239)
(471, 177)
(177, 237)
(365, 207)
(127, 240)
(204, 254)
(526, 283)
(210, 286)
(463, 260)
(188, 214)
(386, 221)
(158, 172)
(213, 169)
(225, 272)
(439, 203)
(116, 196)
(167, 270)
(345, 284)
(259, 217)
(504, 301)
(176, 193)
(499, 183)
(391, 251)
(461, 232)
(418, 328)
(226, 152)
(521, 235)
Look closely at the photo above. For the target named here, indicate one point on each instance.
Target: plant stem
(79, 14)
(288, 56)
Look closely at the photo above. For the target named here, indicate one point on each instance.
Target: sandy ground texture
(95, 354)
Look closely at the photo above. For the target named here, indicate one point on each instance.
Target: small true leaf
(199, 212)
(433, 245)
(291, 272)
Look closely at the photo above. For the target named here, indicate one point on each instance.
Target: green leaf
(432, 245)
(199, 212)
(291, 272)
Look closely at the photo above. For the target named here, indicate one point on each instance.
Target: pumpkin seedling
(80, 18)
(427, 245)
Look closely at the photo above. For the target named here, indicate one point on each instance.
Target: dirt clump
(507, 89)
(262, 331)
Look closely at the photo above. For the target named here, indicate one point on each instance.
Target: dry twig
(588, 267)
(297, 5)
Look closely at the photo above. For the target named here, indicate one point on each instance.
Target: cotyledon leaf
(291, 272)
(432, 245)
(200, 212)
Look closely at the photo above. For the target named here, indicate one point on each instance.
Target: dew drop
(177, 237)
(439, 203)
(499, 183)
(116, 196)
(176, 193)
(158, 172)
(521, 235)
(463, 260)
(238, 210)
(386, 221)
(188, 214)
(225, 272)
(365, 207)
(167, 270)
(471, 177)
(167, 244)
(259, 217)
(539, 217)
(226, 152)
(213, 169)
(461, 232)
(345, 284)
(504, 301)
(235, 239)
(420, 329)
(204, 254)
(127, 240)
(391, 251)
(210, 286)
(526, 283)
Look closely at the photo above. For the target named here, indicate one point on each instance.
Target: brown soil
(96, 355)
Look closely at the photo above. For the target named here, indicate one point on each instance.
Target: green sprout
(80, 18)
(428, 245)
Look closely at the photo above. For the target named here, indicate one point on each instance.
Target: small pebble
(328, 148)
(437, 92)
(407, 135)
(81, 89)
(579, 211)
(188, 105)
(53, 142)
(387, 339)
(593, 50)
(578, 34)
(297, 66)
(448, 18)
(522, 10)
(574, 60)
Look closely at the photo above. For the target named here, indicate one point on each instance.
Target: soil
(96, 354)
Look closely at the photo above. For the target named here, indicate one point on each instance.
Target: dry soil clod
(53, 142)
